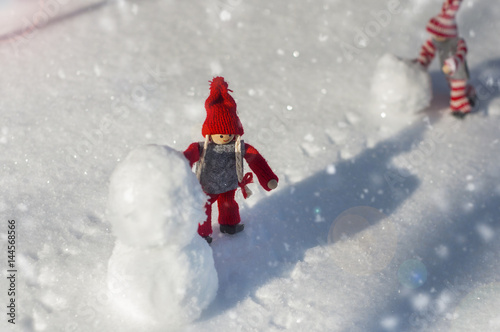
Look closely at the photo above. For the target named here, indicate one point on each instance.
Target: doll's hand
(446, 69)
(450, 66)
(273, 184)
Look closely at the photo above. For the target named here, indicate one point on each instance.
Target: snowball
(154, 198)
(165, 286)
(400, 86)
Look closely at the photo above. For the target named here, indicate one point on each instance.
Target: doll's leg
(205, 228)
(229, 212)
(458, 99)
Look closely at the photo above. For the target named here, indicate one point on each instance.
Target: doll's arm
(192, 153)
(261, 168)
(459, 57)
(427, 53)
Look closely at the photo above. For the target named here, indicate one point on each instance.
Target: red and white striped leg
(459, 102)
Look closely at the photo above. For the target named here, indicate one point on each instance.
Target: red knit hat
(444, 24)
(221, 111)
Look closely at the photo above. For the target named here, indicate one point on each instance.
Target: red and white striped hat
(444, 24)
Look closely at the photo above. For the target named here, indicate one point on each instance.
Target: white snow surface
(80, 92)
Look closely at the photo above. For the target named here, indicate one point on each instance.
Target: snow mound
(161, 273)
(400, 86)
(154, 198)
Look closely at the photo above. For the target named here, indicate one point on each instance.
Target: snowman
(160, 272)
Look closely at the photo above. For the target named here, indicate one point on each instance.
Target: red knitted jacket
(257, 163)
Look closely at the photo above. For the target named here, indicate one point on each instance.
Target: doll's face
(221, 138)
(439, 38)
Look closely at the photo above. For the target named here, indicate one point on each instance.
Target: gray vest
(219, 168)
(447, 49)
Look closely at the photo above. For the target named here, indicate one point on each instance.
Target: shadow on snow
(298, 217)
